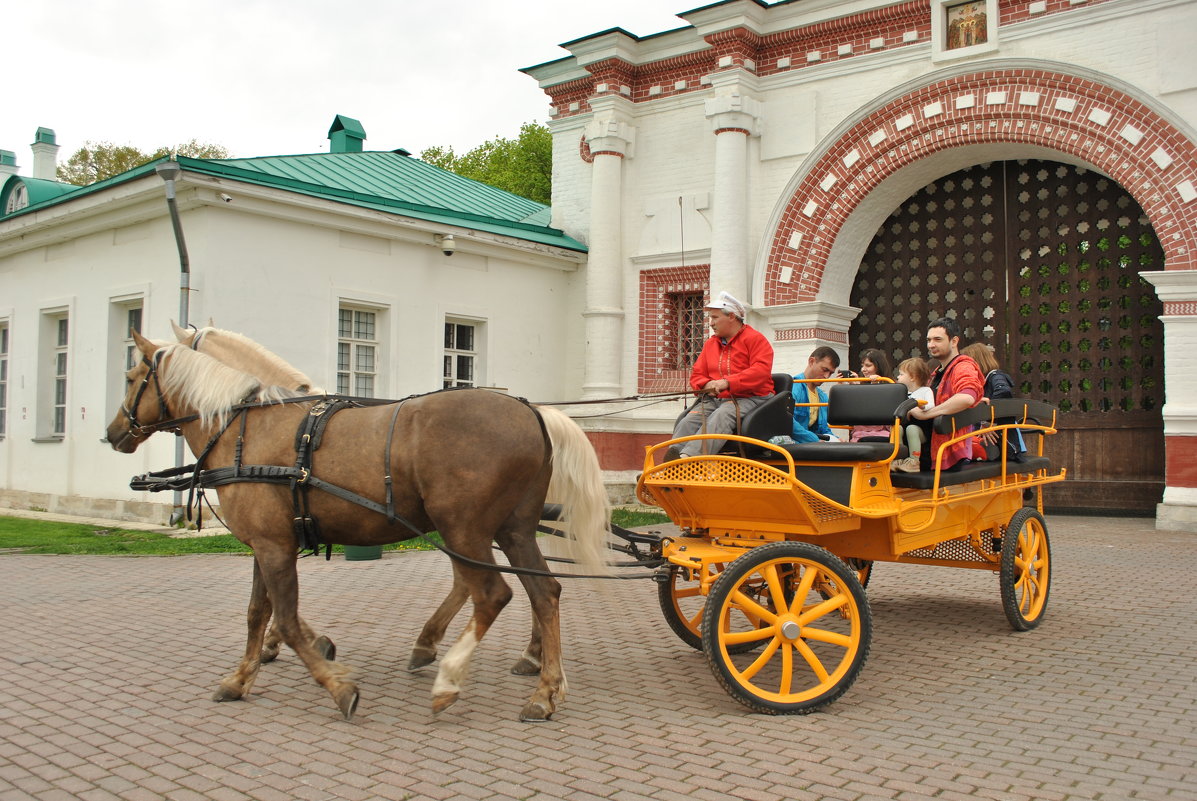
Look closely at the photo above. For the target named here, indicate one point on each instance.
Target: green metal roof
(38, 190)
(382, 180)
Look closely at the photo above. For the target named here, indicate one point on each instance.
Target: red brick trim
(655, 374)
(1180, 307)
(1117, 133)
(622, 450)
(596, 153)
(731, 130)
(687, 69)
(1180, 461)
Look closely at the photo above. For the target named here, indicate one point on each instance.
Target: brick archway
(1035, 106)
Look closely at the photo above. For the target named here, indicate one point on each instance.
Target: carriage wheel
(1025, 575)
(863, 568)
(682, 604)
(810, 614)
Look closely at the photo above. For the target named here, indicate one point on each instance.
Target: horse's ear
(146, 347)
(211, 323)
(182, 334)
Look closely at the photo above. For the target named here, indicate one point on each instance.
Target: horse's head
(143, 404)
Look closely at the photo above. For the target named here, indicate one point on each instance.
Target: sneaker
(908, 465)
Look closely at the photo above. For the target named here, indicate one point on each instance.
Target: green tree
(96, 161)
(522, 166)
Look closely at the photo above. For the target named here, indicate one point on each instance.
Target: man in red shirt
(958, 385)
(735, 369)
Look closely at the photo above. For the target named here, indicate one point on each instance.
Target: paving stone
(1097, 703)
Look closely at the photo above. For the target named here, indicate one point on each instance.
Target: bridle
(136, 429)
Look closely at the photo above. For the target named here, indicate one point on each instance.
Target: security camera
(226, 198)
(448, 245)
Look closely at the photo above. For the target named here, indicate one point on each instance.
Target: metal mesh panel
(1039, 259)
(958, 550)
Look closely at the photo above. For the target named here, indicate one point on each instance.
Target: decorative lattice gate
(1040, 260)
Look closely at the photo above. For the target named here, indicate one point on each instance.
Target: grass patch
(25, 535)
(632, 518)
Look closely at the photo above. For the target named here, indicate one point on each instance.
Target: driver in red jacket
(735, 369)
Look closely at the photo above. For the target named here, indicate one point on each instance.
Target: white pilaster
(1177, 289)
(610, 138)
(796, 329)
(734, 117)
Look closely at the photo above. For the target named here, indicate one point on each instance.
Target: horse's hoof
(227, 692)
(347, 698)
(421, 657)
(325, 647)
(443, 701)
(535, 712)
(269, 653)
(526, 667)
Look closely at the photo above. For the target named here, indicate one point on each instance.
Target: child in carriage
(914, 375)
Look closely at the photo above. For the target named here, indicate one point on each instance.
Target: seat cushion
(839, 451)
(974, 471)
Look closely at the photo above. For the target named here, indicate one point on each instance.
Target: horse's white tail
(577, 484)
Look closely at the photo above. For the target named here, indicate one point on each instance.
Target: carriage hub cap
(790, 630)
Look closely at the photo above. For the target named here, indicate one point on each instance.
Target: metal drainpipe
(169, 172)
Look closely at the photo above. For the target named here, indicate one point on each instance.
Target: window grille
(686, 321)
(357, 352)
(461, 355)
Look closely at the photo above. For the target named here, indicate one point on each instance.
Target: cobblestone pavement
(108, 664)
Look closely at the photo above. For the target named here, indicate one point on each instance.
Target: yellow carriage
(777, 542)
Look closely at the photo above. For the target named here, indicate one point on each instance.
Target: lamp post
(169, 172)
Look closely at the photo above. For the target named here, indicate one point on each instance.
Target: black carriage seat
(1016, 409)
(772, 418)
(856, 405)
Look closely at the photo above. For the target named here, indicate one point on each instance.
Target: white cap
(725, 302)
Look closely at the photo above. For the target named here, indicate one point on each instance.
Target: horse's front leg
(277, 566)
(274, 639)
(238, 683)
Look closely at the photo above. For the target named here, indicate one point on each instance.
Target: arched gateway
(923, 132)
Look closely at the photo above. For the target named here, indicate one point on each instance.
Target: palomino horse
(242, 353)
(471, 464)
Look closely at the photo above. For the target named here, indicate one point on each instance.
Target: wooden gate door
(1040, 260)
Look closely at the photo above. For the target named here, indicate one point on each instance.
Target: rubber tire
(1025, 583)
(688, 629)
(863, 568)
(852, 617)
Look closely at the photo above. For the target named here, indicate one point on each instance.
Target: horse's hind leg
(424, 651)
(490, 594)
(529, 661)
(238, 683)
(544, 593)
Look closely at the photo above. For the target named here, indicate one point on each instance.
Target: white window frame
(5, 344)
(54, 361)
(454, 356)
(122, 352)
(350, 370)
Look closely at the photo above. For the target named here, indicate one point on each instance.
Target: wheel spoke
(751, 608)
(812, 660)
(776, 589)
(830, 637)
(787, 668)
(820, 609)
(753, 635)
(761, 660)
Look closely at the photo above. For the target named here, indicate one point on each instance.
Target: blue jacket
(804, 431)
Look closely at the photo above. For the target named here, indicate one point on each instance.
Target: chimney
(8, 163)
(346, 135)
(45, 155)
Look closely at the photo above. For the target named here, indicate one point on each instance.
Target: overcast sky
(266, 77)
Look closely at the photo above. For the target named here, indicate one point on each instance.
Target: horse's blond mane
(242, 353)
(210, 388)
